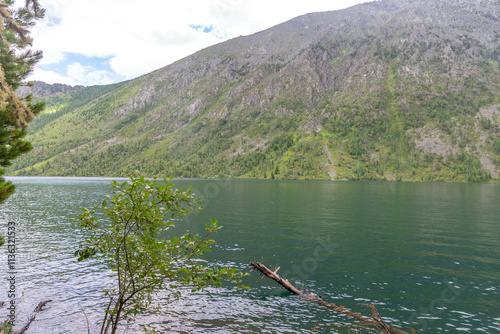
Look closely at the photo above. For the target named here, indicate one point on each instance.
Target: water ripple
(426, 254)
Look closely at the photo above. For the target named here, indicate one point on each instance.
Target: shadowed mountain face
(385, 90)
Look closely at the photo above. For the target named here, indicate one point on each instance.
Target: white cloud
(75, 74)
(52, 77)
(52, 57)
(87, 75)
(142, 37)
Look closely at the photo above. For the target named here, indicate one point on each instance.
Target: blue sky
(97, 42)
(98, 63)
(211, 29)
(82, 69)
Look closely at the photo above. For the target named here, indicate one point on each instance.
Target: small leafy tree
(132, 241)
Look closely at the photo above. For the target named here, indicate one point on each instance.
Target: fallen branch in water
(33, 316)
(374, 321)
(4, 326)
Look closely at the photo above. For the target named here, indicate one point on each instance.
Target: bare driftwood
(374, 321)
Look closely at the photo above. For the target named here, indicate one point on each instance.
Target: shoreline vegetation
(13, 177)
(285, 156)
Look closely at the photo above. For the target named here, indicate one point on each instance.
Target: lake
(427, 255)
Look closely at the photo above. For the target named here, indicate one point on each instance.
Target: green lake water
(427, 255)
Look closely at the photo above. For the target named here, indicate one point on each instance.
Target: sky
(98, 42)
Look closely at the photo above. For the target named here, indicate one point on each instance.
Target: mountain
(42, 89)
(392, 89)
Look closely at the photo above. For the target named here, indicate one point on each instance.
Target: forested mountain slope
(398, 90)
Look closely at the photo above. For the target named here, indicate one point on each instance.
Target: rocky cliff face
(355, 93)
(42, 89)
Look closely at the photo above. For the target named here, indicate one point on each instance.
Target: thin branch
(106, 316)
(85, 314)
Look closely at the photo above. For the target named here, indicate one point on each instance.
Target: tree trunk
(374, 321)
